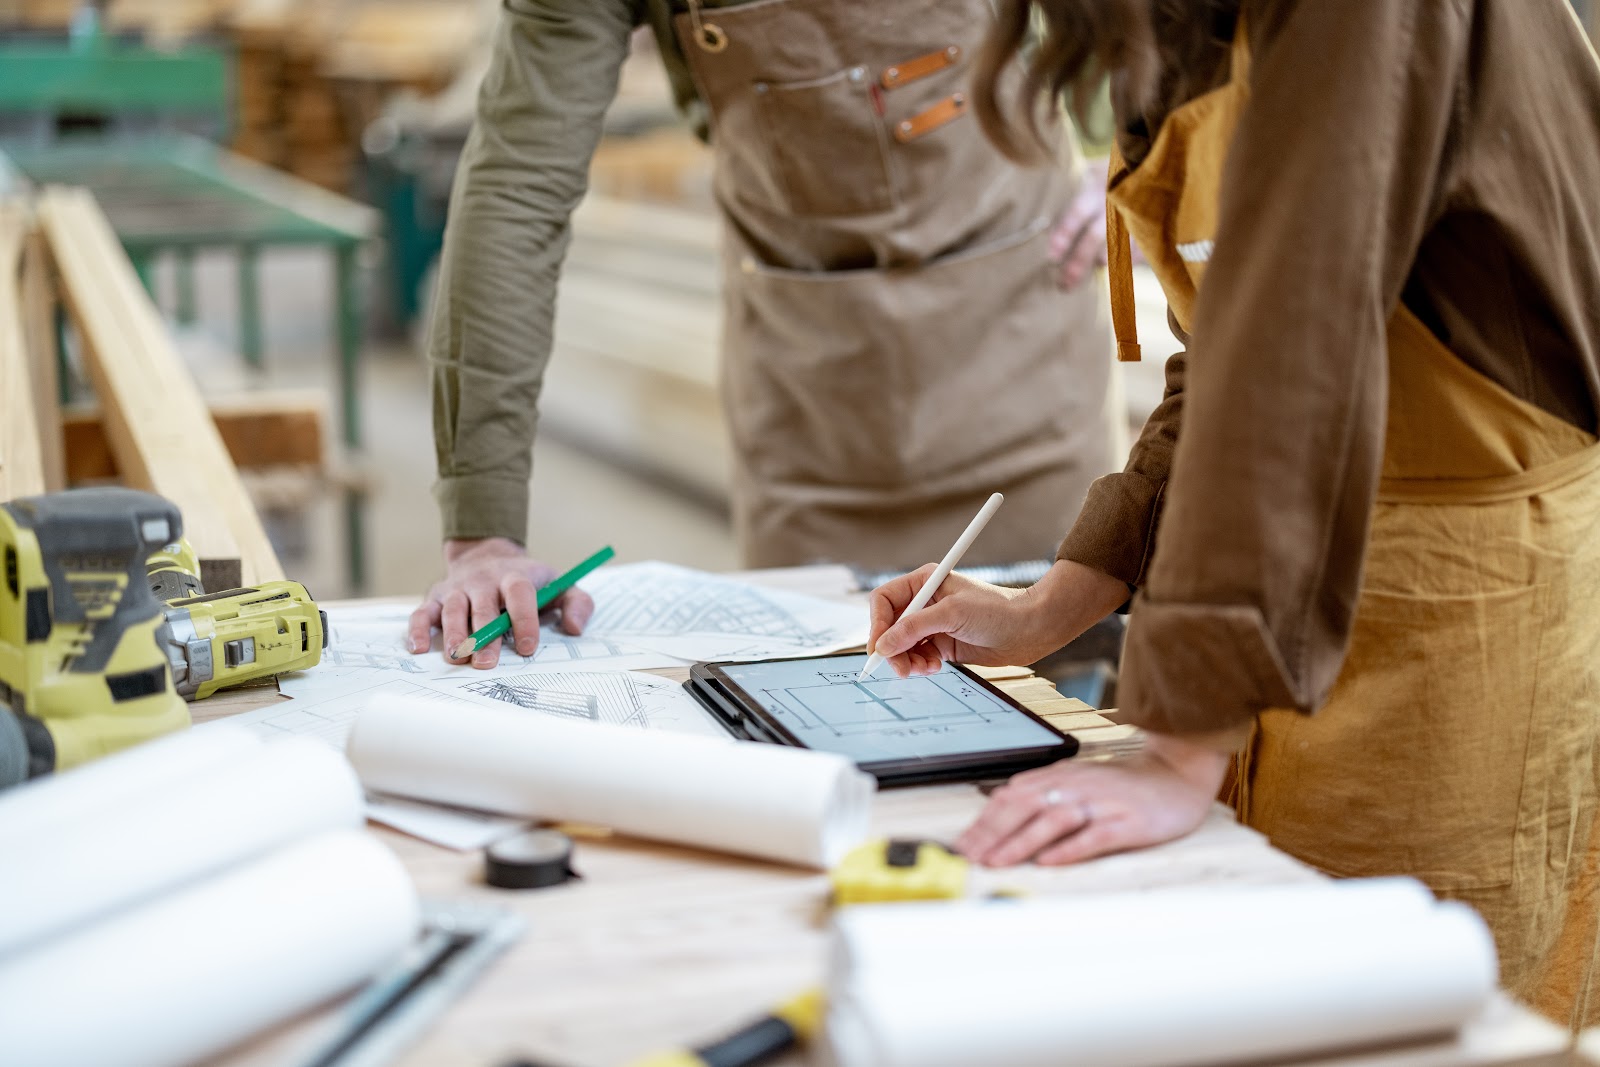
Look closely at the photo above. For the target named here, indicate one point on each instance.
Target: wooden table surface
(659, 946)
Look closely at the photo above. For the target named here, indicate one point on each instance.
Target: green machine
(92, 83)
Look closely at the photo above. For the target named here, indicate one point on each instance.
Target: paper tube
(138, 844)
(784, 804)
(998, 933)
(198, 970)
(1222, 991)
(39, 808)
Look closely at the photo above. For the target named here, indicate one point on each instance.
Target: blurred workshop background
(291, 244)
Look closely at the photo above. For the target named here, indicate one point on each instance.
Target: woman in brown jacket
(1372, 491)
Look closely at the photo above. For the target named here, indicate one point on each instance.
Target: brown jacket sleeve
(1116, 529)
(1330, 184)
(552, 75)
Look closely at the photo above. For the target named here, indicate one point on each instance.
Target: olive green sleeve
(552, 75)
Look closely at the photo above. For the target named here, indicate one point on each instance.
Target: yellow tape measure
(887, 870)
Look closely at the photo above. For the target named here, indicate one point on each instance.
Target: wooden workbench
(659, 945)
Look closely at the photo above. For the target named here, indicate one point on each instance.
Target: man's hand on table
(482, 579)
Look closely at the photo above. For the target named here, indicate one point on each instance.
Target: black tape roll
(534, 859)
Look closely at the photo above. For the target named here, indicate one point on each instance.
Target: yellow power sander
(106, 631)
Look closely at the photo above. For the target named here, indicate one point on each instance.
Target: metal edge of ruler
(457, 943)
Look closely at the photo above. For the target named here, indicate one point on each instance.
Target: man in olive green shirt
(883, 265)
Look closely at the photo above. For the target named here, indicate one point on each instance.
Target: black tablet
(950, 726)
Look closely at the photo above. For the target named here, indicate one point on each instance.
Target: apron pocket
(826, 141)
(888, 379)
(1420, 753)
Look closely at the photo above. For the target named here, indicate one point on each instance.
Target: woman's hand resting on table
(1068, 811)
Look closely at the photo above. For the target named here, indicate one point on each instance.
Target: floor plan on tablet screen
(823, 704)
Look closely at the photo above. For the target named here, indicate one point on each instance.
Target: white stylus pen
(946, 565)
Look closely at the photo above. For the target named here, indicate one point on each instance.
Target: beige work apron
(1459, 743)
(895, 347)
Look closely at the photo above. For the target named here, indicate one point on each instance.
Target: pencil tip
(463, 650)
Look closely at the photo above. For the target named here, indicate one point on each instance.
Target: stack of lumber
(150, 428)
(159, 21)
(312, 73)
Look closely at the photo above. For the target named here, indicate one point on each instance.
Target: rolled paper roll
(198, 970)
(785, 804)
(38, 809)
(999, 934)
(140, 843)
(1225, 987)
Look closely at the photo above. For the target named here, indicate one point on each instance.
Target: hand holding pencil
(930, 616)
(486, 580)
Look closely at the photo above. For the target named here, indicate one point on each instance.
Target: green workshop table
(174, 195)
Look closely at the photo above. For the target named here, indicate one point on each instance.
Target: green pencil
(547, 596)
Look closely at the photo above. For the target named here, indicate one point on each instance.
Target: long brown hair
(1154, 52)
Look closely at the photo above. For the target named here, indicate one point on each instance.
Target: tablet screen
(886, 718)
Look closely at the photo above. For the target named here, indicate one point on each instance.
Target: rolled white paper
(42, 806)
(197, 971)
(1224, 991)
(785, 804)
(1000, 934)
(141, 843)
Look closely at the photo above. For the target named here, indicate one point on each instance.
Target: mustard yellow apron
(1459, 744)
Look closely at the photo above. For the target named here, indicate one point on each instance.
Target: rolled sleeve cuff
(1201, 668)
(1116, 529)
(473, 506)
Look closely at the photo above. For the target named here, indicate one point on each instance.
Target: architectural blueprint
(642, 701)
(698, 616)
(374, 636)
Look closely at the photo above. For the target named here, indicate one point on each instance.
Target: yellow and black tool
(218, 640)
(794, 1022)
(106, 631)
(885, 871)
(83, 667)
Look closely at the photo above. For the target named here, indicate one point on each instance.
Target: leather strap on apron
(1461, 742)
(895, 347)
(1119, 275)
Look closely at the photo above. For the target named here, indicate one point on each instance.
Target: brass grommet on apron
(708, 35)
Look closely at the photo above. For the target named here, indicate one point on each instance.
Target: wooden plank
(283, 428)
(157, 422)
(21, 466)
(39, 306)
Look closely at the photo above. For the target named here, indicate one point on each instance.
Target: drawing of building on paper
(641, 701)
(538, 698)
(845, 706)
(667, 602)
(610, 697)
